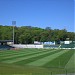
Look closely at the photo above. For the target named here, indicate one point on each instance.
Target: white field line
(43, 61)
(21, 54)
(26, 57)
(71, 62)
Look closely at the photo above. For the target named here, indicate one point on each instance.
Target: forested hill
(28, 34)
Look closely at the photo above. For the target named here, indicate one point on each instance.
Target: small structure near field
(5, 44)
(67, 42)
(37, 43)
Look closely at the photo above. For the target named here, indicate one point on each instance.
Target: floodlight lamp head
(13, 22)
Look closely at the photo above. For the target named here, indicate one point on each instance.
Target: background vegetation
(28, 34)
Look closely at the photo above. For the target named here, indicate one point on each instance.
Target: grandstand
(4, 44)
(51, 46)
(5, 47)
(7, 44)
(71, 45)
(61, 45)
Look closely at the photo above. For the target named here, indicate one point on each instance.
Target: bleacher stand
(71, 45)
(51, 46)
(4, 45)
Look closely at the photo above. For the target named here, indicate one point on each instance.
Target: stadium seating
(4, 47)
(51, 46)
(71, 45)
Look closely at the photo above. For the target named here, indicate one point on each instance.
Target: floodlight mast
(13, 34)
(13, 24)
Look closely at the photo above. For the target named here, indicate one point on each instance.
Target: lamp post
(13, 24)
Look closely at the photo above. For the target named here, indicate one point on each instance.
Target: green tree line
(29, 34)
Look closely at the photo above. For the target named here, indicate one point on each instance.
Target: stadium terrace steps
(51, 46)
(4, 47)
(67, 46)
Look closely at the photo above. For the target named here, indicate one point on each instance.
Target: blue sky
(57, 14)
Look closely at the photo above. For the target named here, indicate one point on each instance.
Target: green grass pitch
(37, 62)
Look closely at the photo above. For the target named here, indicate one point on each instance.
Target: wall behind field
(27, 46)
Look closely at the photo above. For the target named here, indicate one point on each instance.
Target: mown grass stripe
(23, 58)
(10, 51)
(60, 61)
(13, 51)
(17, 53)
(71, 62)
(45, 60)
(20, 56)
(42, 55)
